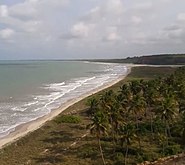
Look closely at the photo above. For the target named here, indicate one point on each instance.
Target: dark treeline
(144, 120)
(165, 59)
(168, 59)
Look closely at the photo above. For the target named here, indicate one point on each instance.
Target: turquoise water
(31, 89)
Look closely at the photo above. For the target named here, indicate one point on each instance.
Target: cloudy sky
(60, 29)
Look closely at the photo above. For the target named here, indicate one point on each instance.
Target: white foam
(57, 93)
(18, 109)
(30, 103)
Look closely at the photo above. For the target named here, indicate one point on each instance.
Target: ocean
(32, 89)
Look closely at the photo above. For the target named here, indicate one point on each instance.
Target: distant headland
(161, 59)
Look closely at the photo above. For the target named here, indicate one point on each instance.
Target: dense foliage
(143, 114)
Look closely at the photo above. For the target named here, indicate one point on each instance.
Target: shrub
(147, 156)
(118, 158)
(172, 149)
(68, 119)
(88, 152)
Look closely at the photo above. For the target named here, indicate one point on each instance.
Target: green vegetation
(50, 144)
(68, 119)
(168, 59)
(141, 113)
(164, 59)
(147, 72)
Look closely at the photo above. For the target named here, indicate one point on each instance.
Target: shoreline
(26, 128)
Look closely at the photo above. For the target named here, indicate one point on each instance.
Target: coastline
(24, 129)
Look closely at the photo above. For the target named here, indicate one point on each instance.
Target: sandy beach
(26, 128)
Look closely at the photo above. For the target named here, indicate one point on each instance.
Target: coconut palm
(151, 95)
(137, 107)
(136, 86)
(162, 141)
(183, 130)
(99, 127)
(125, 91)
(128, 135)
(106, 99)
(93, 105)
(180, 92)
(167, 109)
(116, 119)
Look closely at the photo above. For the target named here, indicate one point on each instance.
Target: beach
(24, 129)
(52, 140)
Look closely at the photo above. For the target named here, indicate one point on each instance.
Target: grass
(68, 119)
(48, 145)
(147, 72)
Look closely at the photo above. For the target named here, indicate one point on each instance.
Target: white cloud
(32, 18)
(93, 25)
(167, 1)
(139, 38)
(181, 17)
(174, 33)
(112, 34)
(25, 9)
(109, 10)
(101, 22)
(113, 37)
(80, 30)
(114, 6)
(31, 26)
(3, 11)
(7, 33)
(136, 19)
(95, 10)
(36, 7)
(33, 1)
(143, 5)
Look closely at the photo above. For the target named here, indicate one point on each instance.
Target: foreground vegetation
(51, 144)
(142, 121)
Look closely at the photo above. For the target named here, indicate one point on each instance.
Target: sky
(76, 29)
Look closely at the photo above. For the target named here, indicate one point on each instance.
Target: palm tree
(136, 86)
(93, 105)
(111, 107)
(125, 91)
(167, 109)
(162, 140)
(137, 106)
(99, 127)
(183, 130)
(128, 134)
(116, 120)
(180, 92)
(151, 95)
(125, 95)
(107, 98)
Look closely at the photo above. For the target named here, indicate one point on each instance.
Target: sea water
(32, 89)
